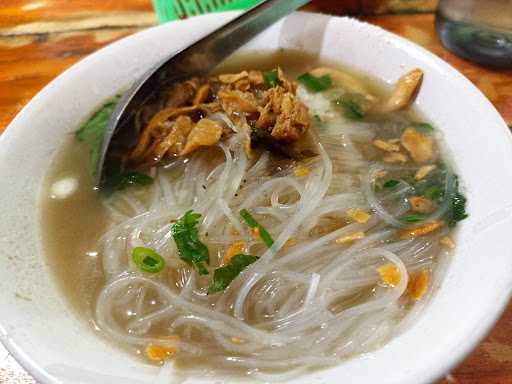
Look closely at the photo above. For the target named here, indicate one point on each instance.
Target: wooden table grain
(39, 39)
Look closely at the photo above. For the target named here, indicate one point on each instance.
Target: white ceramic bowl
(48, 339)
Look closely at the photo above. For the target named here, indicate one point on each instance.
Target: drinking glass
(477, 30)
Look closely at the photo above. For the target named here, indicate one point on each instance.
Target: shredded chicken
(174, 142)
(183, 124)
(180, 93)
(202, 94)
(233, 78)
(159, 127)
(205, 133)
(237, 101)
(255, 78)
(284, 117)
(245, 103)
(292, 121)
(244, 80)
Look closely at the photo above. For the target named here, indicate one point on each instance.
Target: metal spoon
(196, 60)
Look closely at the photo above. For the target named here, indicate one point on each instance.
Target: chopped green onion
(132, 178)
(317, 120)
(223, 276)
(147, 260)
(271, 78)
(423, 127)
(315, 84)
(433, 193)
(190, 249)
(251, 222)
(352, 109)
(391, 183)
(119, 181)
(412, 218)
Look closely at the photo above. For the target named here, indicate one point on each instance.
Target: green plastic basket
(168, 10)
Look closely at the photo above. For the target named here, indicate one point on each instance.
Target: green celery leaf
(223, 276)
(423, 127)
(392, 183)
(93, 130)
(434, 192)
(119, 181)
(414, 218)
(190, 249)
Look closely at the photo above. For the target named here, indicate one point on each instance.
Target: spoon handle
(207, 53)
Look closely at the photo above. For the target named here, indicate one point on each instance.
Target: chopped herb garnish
(121, 181)
(317, 120)
(423, 127)
(93, 130)
(137, 178)
(315, 84)
(190, 249)
(271, 78)
(434, 192)
(458, 208)
(223, 276)
(251, 222)
(352, 109)
(392, 183)
(147, 260)
(414, 218)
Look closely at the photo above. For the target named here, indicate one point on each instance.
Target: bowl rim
(499, 306)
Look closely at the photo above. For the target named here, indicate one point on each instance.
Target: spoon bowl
(198, 59)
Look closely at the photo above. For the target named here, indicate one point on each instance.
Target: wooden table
(41, 38)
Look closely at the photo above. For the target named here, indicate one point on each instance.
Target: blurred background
(39, 39)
